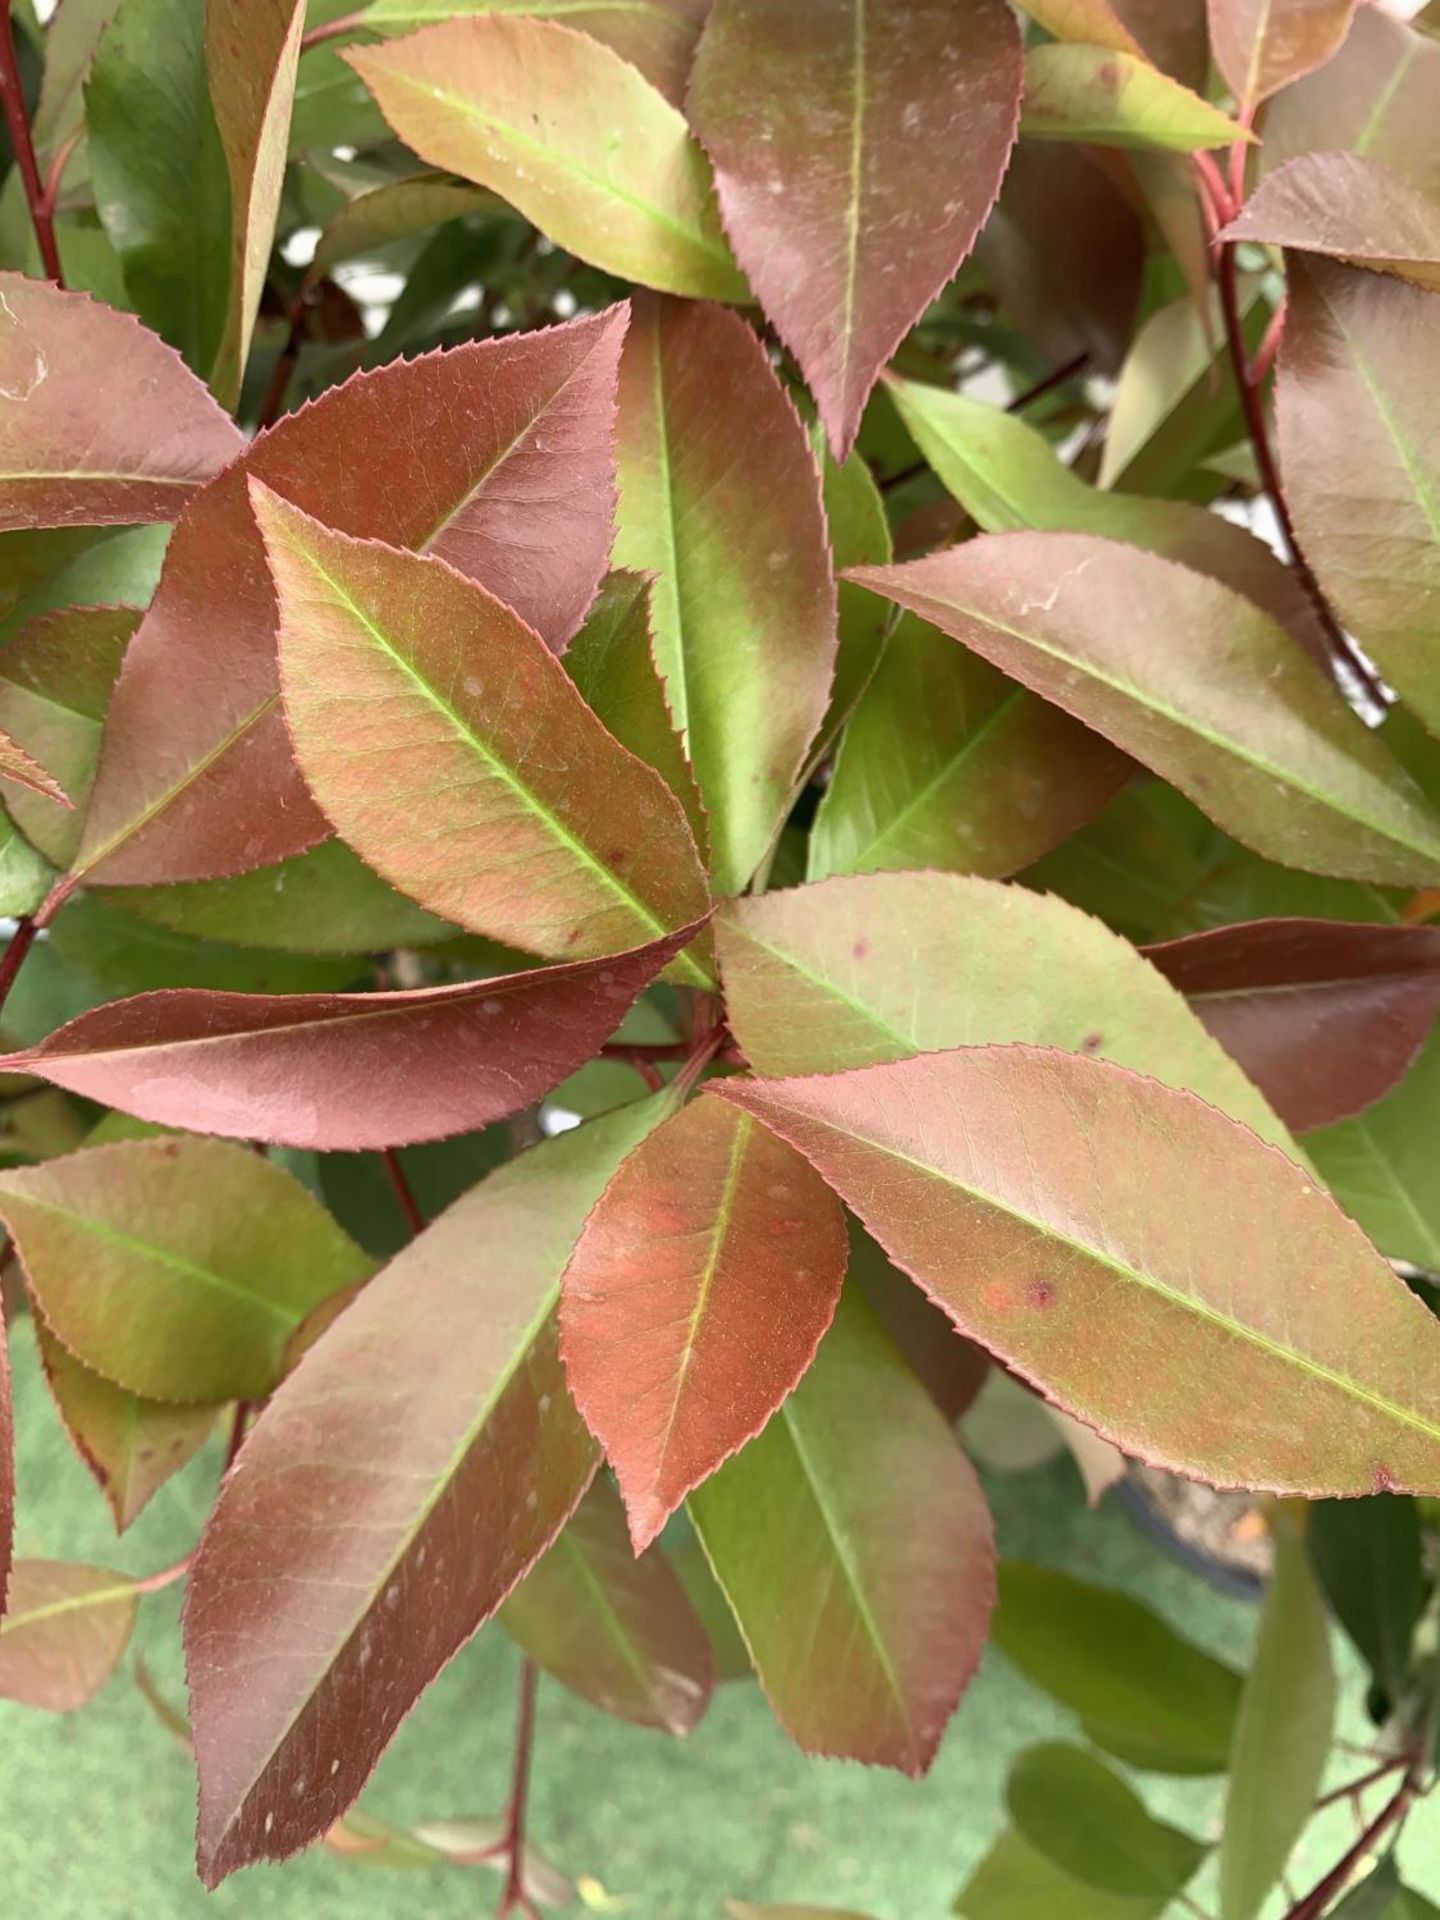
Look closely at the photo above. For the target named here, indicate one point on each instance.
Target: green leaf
(720, 501)
(1136, 862)
(1176, 400)
(857, 971)
(117, 954)
(118, 568)
(1109, 98)
(1141, 1692)
(747, 1910)
(1082, 1816)
(1381, 1897)
(1381, 1169)
(570, 134)
(430, 773)
(177, 1268)
(859, 537)
(854, 1545)
(251, 61)
(617, 1630)
(946, 763)
(161, 182)
(1296, 777)
(430, 1416)
(1016, 1882)
(1368, 1556)
(1283, 1728)
(402, 207)
(25, 878)
(1003, 1178)
(63, 1634)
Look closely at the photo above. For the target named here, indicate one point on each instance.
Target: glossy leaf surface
(1262, 45)
(417, 704)
(345, 1071)
(618, 1631)
(459, 1475)
(1003, 1179)
(63, 1633)
(100, 422)
(720, 501)
(1111, 98)
(1324, 1016)
(1350, 208)
(175, 1268)
(570, 134)
(859, 971)
(854, 1546)
(1298, 778)
(813, 113)
(695, 1299)
(197, 779)
(1380, 1168)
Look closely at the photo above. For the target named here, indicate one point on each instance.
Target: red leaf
(695, 1299)
(858, 148)
(63, 1633)
(101, 424)
(1145, 1261)
(346, 1070)
(16, 764)
(1324, 1015)
(7, 1470)
(196, 776)
(1262, 45)
(412, 1469)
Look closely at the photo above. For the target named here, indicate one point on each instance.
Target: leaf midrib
(1317, 1370)
(71, 1603)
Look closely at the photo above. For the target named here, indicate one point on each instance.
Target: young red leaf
(1296, 776)
(1379, 96)
(694, 1301)
(131, 1446)
(17, 765)
(862, 970)
(856, 1550)
(101, 424)
(347, 1070)
(1262, 45)
(1263, 1343)
(56, 677)
(1360, 368)
(617, 1630)
(570, 134)
(415, 701)
(196, 774)
(251, 58)
(720, 501)
(1349, 207)
(657, 36)
(1324, 1016)
(433, 1417)
(63, 1632)
(816, 116)
(177, 1268)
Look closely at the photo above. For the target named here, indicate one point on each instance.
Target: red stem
(1323, 1892)
(414, 1219)
(513, 1897)
(167, 1576)
(26, 928)
(1354, 1787)
(12, 95)
(331, 30)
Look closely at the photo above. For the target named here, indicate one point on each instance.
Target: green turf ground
(96, 1809)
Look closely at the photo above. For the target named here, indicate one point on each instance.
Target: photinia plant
(715, 720)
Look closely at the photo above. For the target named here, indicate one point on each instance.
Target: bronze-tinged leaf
(657, 36)
(1295, 776)
(1379, 96)
(25, 771)
(131, 1446)
(1351, 208)
(196, 779)
(251, 58)
(347, 1071)
(1262, 45)
(56, 677)
(570, 134)
(815, 113)
(449, 748)
(177, 1268)
(63, 1632)
(1110, 98)
(853, 1542)
(1360, 368)
(720, 501)
(694, 1301)
(619, 1631)
(432, 1423)
(861, 970)
(1260, 1343)
(101, 424)
(1169, 33)
(1324, 1015)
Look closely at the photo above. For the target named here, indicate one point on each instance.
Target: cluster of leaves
(741, 614)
